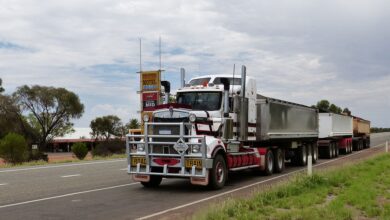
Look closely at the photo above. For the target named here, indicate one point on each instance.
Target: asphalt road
(103, 190)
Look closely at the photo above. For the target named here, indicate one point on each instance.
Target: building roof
(79, 133)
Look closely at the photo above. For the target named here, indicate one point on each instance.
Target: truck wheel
(329, 151)
(351, 147)
(154, 181)
(314, 153)
(218, 174)
(333, 150)
(302, 155)
(279, 160)
(336, 150)
(269, 163)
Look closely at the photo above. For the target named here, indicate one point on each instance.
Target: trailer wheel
(269, 163)
(328, 151)
(302, 155)
(279, 160)
(336, 150)
(218, 174)
(153, 182)
(314, 152)
(333, 150)
(350, 147)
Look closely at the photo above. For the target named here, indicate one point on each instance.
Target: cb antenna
(159, 46)
(234, 70)
(140, 55)
(232, 84)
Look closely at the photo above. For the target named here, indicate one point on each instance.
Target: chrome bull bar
(183, 151)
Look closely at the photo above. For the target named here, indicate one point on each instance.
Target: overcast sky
(301, 51)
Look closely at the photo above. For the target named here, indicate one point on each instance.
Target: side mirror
(167, 86)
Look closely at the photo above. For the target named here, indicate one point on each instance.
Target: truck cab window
(236, 81)
(208, 101)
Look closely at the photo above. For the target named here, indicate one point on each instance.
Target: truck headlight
(146, 118)
(192, 118)
(195, 148)
(141, 147)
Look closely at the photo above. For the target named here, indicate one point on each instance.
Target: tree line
(377, 130)
(36, 114)
(325, 105)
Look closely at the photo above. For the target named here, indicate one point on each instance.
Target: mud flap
(203, 181)
(141, 178)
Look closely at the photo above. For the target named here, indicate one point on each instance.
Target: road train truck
(217, 126)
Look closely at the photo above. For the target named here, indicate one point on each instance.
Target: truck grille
(167, 130)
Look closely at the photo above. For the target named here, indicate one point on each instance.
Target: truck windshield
(208, 101)
(200, 81)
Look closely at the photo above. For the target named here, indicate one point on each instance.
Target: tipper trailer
(335, 134)
(361, 133)
(216, 127)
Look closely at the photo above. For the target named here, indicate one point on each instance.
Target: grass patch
(359, 191)
(42, 162)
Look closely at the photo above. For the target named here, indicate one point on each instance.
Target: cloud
(301, 51)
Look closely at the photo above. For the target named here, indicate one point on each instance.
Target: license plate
(135, 160)
(165, 132)
(191, 162)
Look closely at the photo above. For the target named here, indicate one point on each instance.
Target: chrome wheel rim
(220, 172)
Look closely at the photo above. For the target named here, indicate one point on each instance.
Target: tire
(302, 155)
(314, 151)
(336, 149)
(153, 182)
(218, 174)
(269, 163)
(333, 150)
(355, 145)
(278, 160)
(328, 153)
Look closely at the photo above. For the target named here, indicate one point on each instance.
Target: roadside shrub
(101, 150)
(116, 146)
(13, 148)
(108, 148)
(80, 150)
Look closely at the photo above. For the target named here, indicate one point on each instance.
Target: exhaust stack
(182, 77)
(226, 86)
(243, 107)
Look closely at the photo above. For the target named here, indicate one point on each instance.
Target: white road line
(3, 184)
(63, 165)
(73, 175)
(124, 169)
(244, 187)
(66, 195)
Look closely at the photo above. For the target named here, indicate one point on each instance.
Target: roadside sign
(149, 100)
(150, 81)
(150, 86)
(34, 147)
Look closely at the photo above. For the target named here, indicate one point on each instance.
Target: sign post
(150, 82)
